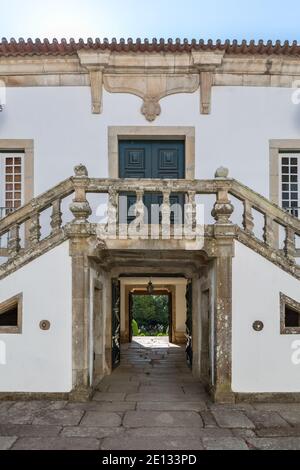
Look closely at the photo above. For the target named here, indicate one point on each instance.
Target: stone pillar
(224, 232)
(79, 232)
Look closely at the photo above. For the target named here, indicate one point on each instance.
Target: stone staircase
(23, 239)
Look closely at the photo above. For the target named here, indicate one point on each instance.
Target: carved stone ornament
(80, 170)
(151, 109)
(151, 88)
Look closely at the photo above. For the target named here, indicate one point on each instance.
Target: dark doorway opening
(150, 314)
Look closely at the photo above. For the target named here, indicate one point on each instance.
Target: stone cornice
(151, 75)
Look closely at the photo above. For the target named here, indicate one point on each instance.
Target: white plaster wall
(261, 361)
(181, 307)
(36, 360)
(236, 134)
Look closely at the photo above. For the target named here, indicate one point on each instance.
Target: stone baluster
(34, 229)
(248, 218)
(14, 241)
(269, 234)
(56, 217)
(290, 244)
(166, 215)
(112, 212)
(192, 209)
(80, 207)
(139, 205)
(223, 208)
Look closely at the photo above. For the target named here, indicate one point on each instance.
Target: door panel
(134, 159)
(168, 160)
(115, 332)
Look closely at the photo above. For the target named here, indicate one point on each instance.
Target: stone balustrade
(223, 187)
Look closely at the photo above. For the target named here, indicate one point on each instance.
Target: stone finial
(222, 172)
(81, 170)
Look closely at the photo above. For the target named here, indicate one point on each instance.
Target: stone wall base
(221, 396)
(24, 396)
(267, 397)
(81, 395)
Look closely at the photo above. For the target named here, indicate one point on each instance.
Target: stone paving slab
(150, 443)
(266, 419)
(98, 418)
(171, 406)
(243, 433)
(4, 406)
(59, 417)
(159, 397)
(111, 396)
(130, 388)
(292, 417)
(278, 432)
(36, 406)
(232, 419)
(163, 418)
(56, 443)
(97, 432)
(115, 406)
(167, 388)
(16, 417)
(7, 442)
(232, 406)
(282, 443)
(29, 430)
(277, 406)
(208, 419)
(227, 443)
(190, 432)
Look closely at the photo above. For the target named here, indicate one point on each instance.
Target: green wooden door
(152, 159)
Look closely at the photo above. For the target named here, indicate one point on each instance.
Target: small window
(290, 315)
(11, 315)
(290, 165)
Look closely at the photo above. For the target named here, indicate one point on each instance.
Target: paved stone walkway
(151, 402)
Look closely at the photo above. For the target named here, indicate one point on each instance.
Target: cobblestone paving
(151, 402)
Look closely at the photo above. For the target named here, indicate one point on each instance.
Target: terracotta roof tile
(63, 47)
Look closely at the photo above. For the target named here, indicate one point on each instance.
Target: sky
(209, 19)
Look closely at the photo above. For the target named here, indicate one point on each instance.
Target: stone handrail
(221, 186)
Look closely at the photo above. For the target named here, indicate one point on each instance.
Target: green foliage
(135, 328)
(151, 312)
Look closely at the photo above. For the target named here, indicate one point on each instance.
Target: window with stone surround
(289, 315)
(11, 315)
(284, 174)
(16, 173)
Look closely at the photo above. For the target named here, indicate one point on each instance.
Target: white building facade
(149, 120)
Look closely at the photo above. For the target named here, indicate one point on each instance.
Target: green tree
(149, 311)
